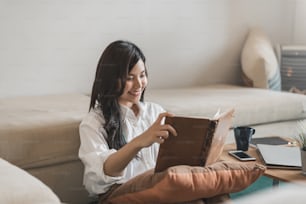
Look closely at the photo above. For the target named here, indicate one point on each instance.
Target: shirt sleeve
(93, 152)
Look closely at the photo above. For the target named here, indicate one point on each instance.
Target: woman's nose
(137, 83)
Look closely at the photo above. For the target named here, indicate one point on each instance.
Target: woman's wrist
(138, 143)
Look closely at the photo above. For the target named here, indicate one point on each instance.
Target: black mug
(243, 135)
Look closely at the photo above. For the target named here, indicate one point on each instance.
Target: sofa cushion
(186, 183)
(252, 106)
(65, 180)
(259, 63)
(17, 186)
(41, 130)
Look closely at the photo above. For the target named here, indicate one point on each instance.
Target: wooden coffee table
(277, 175)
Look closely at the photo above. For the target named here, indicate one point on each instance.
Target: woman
(121, 134)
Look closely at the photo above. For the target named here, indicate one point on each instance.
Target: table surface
(286, 175)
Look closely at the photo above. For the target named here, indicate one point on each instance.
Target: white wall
(299, 36)
(52, 46)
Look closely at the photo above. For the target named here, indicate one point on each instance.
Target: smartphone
(241, 155)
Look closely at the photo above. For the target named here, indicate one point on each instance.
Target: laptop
(199, 142)
(279, 156)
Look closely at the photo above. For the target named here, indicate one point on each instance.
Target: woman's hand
(158, 132)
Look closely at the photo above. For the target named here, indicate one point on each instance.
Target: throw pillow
(259, 63)
(186, 183)
(18, 186)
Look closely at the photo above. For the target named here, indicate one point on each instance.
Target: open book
(199, 142)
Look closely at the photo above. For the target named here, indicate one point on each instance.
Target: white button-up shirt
(94, 149)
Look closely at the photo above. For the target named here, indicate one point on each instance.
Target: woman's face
(135, 84)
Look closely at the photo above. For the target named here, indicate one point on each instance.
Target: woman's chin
(136, 100)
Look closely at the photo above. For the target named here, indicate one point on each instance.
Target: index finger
(162, 115)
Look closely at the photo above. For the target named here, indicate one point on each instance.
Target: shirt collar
(128, 112)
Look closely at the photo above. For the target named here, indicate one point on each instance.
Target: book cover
(199, 142)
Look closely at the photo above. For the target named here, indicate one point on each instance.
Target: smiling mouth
(135, 93)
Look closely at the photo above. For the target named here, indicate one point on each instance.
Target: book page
(221, 133)
(217, 114)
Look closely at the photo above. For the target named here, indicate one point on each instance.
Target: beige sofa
(40, 133)
(269, 112)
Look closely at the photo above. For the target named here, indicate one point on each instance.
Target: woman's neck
(135, 109)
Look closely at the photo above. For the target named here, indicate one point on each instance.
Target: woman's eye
(129, 78)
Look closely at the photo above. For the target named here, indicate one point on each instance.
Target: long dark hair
(116, 62)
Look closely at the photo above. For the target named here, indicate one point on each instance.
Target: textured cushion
(259, 63)
(186, 183)
(17, 186)
(252, 105)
